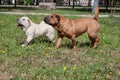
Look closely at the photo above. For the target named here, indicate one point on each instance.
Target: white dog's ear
(29, 21)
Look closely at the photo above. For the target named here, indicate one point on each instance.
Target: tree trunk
(73, 3)
(15, 3)
(37, 3)
(54, 1)
(69, 2)
(89, 3)
(107, 4)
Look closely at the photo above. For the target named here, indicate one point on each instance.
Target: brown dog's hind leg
(94, 41)
(73, 42)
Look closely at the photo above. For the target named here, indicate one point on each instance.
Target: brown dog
(73, 28)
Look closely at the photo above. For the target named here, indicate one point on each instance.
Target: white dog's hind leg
(51, 37)
(29, 38)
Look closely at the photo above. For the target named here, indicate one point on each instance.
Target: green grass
(41, 61)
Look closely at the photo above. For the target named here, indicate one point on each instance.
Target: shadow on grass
(77, 9)
(84, 9)
(89, 9)
(22, 8)
(79, 45)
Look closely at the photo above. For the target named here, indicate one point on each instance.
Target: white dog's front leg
(29, 38)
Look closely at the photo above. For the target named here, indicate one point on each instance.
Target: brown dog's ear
(57, 16)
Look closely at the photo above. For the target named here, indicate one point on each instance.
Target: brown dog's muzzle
(47, 19)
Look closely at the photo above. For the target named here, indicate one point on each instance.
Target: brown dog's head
(52, 19)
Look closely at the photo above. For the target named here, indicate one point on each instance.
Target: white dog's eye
(23, 19)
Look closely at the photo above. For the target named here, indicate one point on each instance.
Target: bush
(27, 2)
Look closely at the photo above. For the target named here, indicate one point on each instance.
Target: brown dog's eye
(52, 16)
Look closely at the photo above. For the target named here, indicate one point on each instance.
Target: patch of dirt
(114, 53)
(66, 56)
(5, 76)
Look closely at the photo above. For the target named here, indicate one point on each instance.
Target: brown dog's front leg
(73, 41)
(59, 40)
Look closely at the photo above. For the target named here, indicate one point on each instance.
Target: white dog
(33, 30)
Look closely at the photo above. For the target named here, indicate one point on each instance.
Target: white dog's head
(23, 22)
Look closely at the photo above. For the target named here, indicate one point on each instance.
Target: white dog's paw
(53, 41)
(23, 45)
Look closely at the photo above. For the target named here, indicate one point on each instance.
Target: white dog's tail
(96, 13)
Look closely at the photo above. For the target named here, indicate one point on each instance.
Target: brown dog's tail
(96, 13)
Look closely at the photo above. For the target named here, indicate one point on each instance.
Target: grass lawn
(41, 61)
